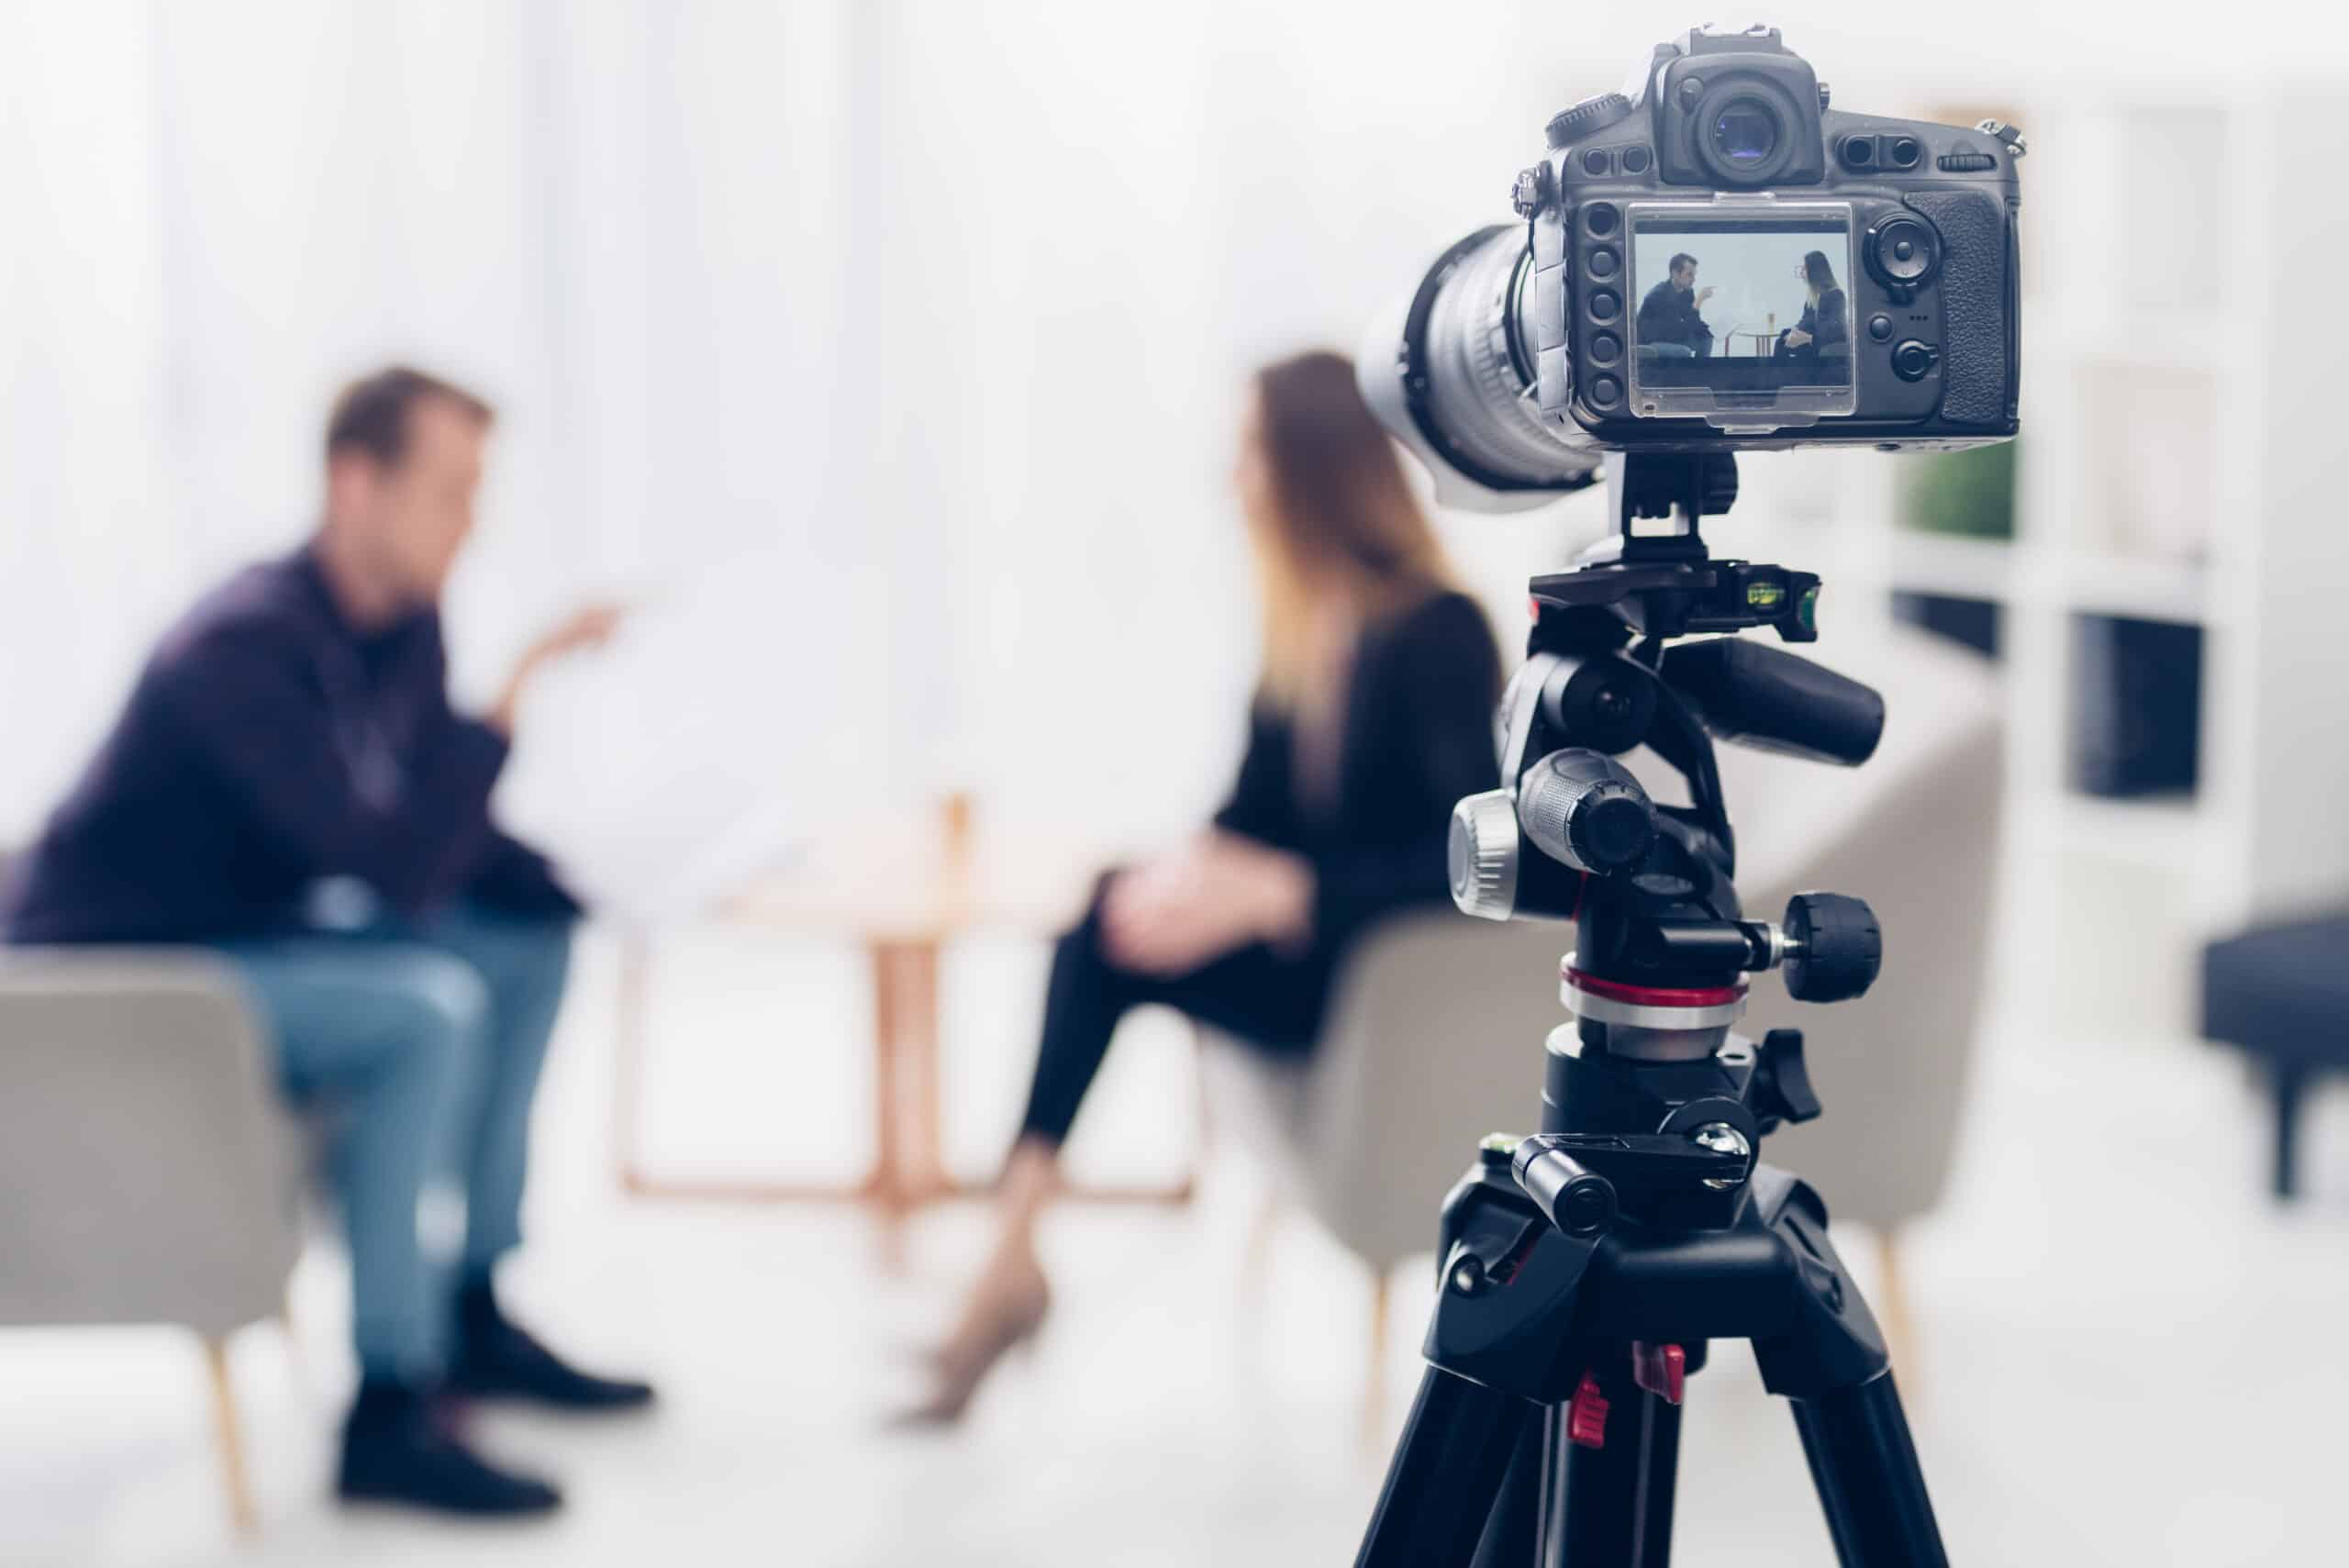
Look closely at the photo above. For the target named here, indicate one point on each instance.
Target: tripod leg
(1617, 1504)
(1869, 1483)
(1513, 1535)
(1446, 1476)
(1659, 1479)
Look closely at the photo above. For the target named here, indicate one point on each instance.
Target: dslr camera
(1714, 260)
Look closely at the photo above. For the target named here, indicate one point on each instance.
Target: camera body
(1716, 261)
(1734, 156)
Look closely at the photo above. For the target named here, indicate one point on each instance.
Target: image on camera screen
(1742, 303)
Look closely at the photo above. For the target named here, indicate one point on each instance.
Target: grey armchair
(1436, 1031)
(146, 1162)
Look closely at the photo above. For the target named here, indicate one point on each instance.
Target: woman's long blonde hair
(1341, 515)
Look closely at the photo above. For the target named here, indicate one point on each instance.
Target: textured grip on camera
(1976, 292)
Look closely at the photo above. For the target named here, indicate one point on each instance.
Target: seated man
(289, 784)
(1668, 320)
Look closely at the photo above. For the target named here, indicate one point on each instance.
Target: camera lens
(1745, 132)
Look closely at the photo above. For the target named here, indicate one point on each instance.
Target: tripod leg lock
(1509, 1279)
(1586, 1414)
(1662, 1370)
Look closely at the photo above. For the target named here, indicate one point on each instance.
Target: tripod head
(1663, 950)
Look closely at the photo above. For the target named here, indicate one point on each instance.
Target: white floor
(2128, 1355)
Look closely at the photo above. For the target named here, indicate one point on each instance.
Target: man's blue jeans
(425, 1039)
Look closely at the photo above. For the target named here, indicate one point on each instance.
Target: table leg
(890, 1192)
(919, 1145)
(921, 1129)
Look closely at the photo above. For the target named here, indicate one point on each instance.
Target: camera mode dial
(1570, 125)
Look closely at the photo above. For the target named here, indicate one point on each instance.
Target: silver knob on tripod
(1484, 854)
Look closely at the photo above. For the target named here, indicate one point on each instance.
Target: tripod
(1583, 1270)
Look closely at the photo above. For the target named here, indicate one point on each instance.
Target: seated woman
(1825, 330)
(1371, 718)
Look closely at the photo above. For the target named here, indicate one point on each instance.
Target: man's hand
(1221, 892)
(1796, 337)
(591, 626)
(1703, 294)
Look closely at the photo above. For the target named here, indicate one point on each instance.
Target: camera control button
(1635, 160)
(1595, 159)
(1902, 251)
(1602, 262)
(1605, 349)
(1913, 359)
(1606, 391)
(1605, 305)
(1880, 327)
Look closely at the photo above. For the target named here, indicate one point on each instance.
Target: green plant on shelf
(1969, 492)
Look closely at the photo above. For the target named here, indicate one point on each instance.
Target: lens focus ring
(1478, 332)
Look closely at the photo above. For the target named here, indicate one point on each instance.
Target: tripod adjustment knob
(1577, 1200)
(1833, 947)
(1484, 855)
(1790, 1096)
(1583, 809)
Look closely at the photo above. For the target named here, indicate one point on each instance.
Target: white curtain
(886, 352)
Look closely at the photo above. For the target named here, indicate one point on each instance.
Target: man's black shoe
(396, 1449)
(496, 1358)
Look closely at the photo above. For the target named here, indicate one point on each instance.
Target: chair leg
(2289, 1081)
(1374, 1435)
(1892, 1309)
(242, 1517)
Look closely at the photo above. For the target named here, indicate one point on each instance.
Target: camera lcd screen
(1739, 307)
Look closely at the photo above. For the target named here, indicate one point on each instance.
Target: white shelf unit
(2175, 467)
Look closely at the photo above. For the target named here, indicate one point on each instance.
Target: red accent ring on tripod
(1654, 996)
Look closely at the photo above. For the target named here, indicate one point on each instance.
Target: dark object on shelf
(1974, 622)
(2136, 704)
(1968, 493)
(2278, 992)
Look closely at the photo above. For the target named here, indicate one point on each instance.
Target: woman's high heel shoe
(1008, 1319)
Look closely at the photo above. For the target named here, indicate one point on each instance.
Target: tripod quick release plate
(1674, 598)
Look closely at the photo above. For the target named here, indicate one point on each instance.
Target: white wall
(891, 351)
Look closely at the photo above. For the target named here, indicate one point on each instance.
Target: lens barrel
(1452, 374)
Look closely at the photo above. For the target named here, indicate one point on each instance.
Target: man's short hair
(371, 415)
(1680, 261)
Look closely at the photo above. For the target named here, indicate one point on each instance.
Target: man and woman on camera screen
(292, 735)
(1671, 324)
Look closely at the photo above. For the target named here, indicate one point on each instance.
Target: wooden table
(903, 888)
